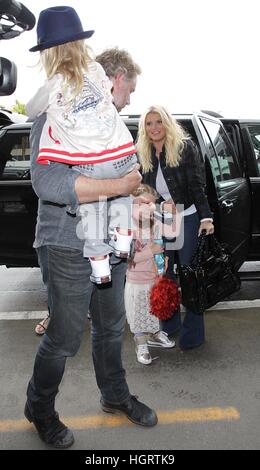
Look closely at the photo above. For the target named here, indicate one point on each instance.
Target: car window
(254, 132)
(134, 130)
(14, 156)
(223, 163)
(210, 157)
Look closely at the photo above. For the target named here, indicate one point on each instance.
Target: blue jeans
(192, 330)
(72, 294)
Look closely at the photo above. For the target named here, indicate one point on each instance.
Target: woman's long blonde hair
(174, 140)
(71, 61)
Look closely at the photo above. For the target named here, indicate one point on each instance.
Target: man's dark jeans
(42, 253)
(72, 294)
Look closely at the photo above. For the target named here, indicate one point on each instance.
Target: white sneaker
(160, 340)
(122, 243)
(143, 355)
(142, 351)
(100, 270)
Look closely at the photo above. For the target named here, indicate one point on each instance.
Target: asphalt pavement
(206, 398)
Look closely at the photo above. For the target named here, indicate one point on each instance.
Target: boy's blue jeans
(72, 294)
(192, 329)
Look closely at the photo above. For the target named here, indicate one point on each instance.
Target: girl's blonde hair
(145, 189)
(71, 61)
(174, 140)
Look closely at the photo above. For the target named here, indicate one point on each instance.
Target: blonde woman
(171, 165)
(84, 129)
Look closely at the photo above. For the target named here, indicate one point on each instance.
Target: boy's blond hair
(71, 61)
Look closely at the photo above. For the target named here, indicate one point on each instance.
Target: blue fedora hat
(58, 25)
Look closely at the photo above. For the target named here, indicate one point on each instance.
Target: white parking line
(236, 304)
(25, 315)
(35, 315)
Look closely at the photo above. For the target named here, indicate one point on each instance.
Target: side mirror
(8, 77)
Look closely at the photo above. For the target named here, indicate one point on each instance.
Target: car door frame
(253, 173)
(18, 212)
(219, 203)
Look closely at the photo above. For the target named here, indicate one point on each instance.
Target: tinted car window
(254, 132)
(14, 156)
(224, 164)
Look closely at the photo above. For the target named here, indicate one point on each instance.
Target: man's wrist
(118, 186)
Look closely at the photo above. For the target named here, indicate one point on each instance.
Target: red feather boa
(164, 298)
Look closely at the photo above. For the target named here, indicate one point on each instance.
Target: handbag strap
(206, 241)
(214, 245)
(198, 255)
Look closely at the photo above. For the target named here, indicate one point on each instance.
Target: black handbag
(210, 277)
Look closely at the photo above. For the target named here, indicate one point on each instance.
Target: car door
(227, 188)
(250, 132)
(18, 202)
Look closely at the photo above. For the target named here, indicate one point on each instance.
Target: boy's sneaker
(122, 243)
(101, 272)
(160, 340)
(142, 351)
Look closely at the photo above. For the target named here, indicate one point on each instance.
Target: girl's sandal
(42, 326)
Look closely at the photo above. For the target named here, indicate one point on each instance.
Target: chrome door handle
(227, 205)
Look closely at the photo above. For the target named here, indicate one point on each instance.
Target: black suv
(227, 185)
(229, 150)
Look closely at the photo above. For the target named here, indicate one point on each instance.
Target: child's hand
(157, 249)
(166, 259)
(169, 206)
(142, 208)
(141, 200)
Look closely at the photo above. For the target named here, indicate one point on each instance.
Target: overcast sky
(194, 54)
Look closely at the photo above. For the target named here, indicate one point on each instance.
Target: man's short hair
(116, 60)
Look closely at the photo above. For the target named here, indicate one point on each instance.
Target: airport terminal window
(254, 132)
(224, 162)
(14, 156)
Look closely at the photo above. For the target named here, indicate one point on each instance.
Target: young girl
(141, 274)
(83, 129)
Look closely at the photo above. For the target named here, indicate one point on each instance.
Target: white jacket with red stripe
(83, 130)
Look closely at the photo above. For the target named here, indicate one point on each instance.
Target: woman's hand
(208, 226)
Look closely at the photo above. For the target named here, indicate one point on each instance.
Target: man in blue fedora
(69, 286)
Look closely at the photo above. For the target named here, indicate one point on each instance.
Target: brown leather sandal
(42, 326)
